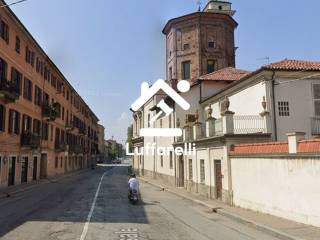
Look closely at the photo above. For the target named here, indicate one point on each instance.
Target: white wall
(288, 188)
(246, 102)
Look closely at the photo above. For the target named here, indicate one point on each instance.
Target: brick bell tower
(201, 42)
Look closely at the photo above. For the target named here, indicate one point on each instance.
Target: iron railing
(249, 124)
(9, 90)
(315, 125)
(29, 139)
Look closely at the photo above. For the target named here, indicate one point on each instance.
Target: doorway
(12, 171)
(24, 169)
(181, 172)
(218, 178)
(35, 168)
(43, 166)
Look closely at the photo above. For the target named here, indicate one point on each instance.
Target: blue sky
(107, 48)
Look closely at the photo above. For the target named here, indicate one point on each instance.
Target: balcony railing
(49, 112)
(31, 140)
(315, 125)
(9, 91)
(231, 125)
(60, 146)
(249, 124)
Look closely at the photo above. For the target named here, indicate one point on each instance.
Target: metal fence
(249, 124)
(315, 125)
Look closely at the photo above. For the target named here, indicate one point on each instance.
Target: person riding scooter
(133, 185)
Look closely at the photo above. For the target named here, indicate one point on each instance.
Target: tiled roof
(267, 148)
(305, 146)
(225, 74)
(289, 64)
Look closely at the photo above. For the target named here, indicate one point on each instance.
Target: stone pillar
(210, 127)
(227, 122)
(293, 141)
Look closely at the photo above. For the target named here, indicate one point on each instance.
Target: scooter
(133, 196)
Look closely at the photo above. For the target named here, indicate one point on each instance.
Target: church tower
(201, 42)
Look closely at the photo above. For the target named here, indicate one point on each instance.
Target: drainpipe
(274, 106)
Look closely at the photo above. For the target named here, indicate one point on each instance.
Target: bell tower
(201, 42)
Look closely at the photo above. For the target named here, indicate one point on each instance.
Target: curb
(6, 194)
(223, 212)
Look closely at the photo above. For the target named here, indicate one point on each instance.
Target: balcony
(69, 127)
(60, 146)
(49, 112)
(30, 140)
(77, 149)
(9, 92)
(82, 131)
(227, 125)
(315, 125)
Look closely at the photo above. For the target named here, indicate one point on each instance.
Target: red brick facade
(45, 126)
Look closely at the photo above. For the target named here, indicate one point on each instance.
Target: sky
(107, 48)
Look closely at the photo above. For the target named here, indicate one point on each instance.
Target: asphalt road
(72, 208)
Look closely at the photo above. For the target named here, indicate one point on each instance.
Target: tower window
(220, 7)
(210, 66)
(211, 44)
(186, 46)
(186, 70)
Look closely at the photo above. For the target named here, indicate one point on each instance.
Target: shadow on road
(70, 200)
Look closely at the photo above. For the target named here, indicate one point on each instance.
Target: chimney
(293, 141)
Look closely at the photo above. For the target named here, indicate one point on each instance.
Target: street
(72, 208)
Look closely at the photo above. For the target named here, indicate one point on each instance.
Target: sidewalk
(9, 191)
(278, 227)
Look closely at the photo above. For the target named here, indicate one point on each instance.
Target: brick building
(202, 42)
(46, 128)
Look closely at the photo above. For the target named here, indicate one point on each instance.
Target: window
(4, 31)
(29, 55)
(211, 44)
(61, 160)
(210, 66)
(283, 107)
(190, 170)
(51, 133)
(38, 96)
(36, 126)
(67, 95)
(3, 69)
(171, 160)
(16, 78)
(186, 70)
(202, 171)
(53, 81)
(161, 124)
(17, 48)
(161, 160)
(170, 73)
(27, 89)
(316, 99)
(2, 118)
(62, 113)
(149, 120)
(170, 121)
(26, 123)
(186, 46)
(14, 122)
(45, 131)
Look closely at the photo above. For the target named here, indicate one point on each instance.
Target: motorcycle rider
(133, 184)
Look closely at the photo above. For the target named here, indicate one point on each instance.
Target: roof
(290, 64)
(225, 74)
(196, 15)
(284, 65)
(304, 146)
(45, 54)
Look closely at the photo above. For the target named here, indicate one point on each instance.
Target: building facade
(228, 107)
(45, 126)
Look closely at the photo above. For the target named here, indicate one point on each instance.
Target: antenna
(267, 59)
(199, 4)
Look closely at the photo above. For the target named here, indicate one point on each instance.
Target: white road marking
(86, 226)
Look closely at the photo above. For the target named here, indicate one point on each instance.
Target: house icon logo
(148, 92)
